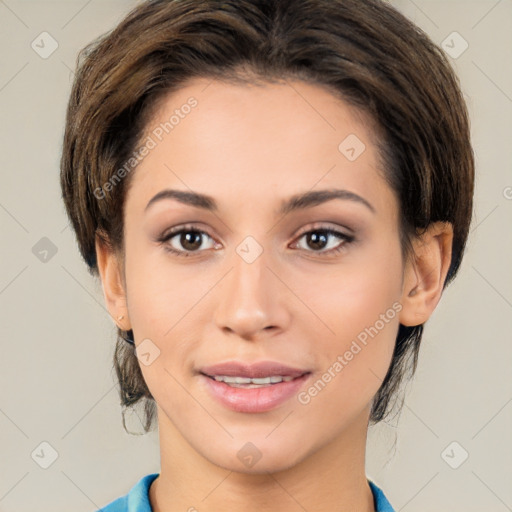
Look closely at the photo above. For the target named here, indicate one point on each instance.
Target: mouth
(253, 388)
(252, 370)
(249, 383)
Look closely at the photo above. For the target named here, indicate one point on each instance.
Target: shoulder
(381, 502)
(136, 500)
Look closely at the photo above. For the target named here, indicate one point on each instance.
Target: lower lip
(254, 399)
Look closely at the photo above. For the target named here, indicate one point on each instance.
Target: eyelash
(346, 239)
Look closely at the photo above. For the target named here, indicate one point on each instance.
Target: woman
(274, 196)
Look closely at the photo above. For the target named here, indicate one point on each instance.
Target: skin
(250, 147)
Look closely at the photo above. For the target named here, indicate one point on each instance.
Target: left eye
(320, 237)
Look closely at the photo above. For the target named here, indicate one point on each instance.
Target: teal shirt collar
(137, 500)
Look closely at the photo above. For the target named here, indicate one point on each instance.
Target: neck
(330, 479)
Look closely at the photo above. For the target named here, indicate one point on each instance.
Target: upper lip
(255, 370)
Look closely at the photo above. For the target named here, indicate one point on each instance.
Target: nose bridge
(248, 281)
(249, 300)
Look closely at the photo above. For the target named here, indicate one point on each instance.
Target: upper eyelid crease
(318, 226)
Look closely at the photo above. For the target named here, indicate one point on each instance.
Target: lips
(227, 383)
(261, 369)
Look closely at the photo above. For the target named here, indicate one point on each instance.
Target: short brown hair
(365, 51)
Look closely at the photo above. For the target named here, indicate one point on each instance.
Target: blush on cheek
(362, 368)
(363, 346)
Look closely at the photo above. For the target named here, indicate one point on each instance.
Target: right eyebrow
(190, 198)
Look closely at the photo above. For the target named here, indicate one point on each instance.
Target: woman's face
(257, 278)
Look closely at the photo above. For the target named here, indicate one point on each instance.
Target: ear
(425, 273)
(109, 267)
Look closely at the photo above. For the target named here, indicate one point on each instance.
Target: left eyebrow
(316, 197)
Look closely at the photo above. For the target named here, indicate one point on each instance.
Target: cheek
(354, 361)
(360, 305)
(158, 293)
(165, 307)
(354, 295)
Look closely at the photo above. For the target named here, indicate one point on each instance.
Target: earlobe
(425, 273)
(112, 282)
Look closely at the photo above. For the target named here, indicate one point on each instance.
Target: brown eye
(185, 241)
(190, 240)
(318, 239)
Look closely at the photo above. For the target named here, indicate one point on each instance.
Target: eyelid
(183, 227)
(319, 225)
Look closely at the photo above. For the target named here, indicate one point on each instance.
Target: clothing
(381, 502)
(137, 499)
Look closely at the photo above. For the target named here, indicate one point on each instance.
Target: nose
(251, 299)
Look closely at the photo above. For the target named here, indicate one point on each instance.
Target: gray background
(57, 384)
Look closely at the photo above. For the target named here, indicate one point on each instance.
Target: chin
(257, 456)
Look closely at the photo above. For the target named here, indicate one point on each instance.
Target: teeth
(256, 382)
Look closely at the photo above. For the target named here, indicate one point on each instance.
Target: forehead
(247, 142)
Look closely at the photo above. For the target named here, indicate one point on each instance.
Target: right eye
(189, 238)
